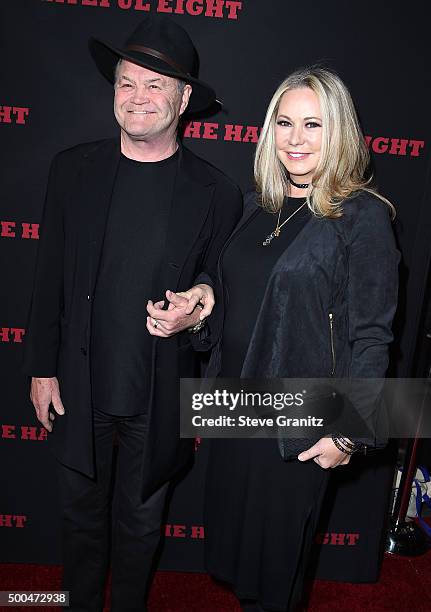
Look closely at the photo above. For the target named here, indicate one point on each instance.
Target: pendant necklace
(276, 232)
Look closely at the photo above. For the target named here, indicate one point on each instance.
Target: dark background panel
(381, 51)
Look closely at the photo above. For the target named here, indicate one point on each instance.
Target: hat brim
(106, 58)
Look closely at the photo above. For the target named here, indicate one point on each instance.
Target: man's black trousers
(86, 511)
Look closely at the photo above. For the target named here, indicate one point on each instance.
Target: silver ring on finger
(155, 323)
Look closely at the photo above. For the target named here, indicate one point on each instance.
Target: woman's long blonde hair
(344, 156)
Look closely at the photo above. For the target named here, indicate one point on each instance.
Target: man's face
(147, 105)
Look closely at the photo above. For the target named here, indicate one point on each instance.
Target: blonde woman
(311, 279)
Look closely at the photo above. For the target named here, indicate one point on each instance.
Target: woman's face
(298, 133)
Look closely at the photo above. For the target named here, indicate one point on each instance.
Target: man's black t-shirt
(133, 247)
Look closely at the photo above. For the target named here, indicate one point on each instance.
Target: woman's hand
(202, 294)
(182, 313)
(325, 454)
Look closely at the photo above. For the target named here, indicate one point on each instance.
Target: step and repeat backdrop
(53, 97)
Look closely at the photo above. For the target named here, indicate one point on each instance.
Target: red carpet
(404, 586)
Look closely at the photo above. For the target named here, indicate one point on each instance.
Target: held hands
(325, 454)
(183, 311)
(43, 392)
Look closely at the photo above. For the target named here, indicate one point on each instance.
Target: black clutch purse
(325, 402)
(290, 448)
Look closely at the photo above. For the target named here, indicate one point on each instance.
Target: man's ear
(187, 92)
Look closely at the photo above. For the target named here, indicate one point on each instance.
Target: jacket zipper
(331, 331)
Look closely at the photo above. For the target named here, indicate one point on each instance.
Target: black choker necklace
(299, 185)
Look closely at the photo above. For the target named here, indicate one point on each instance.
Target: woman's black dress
(260, 511)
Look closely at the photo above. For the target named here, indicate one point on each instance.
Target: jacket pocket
(331, 338)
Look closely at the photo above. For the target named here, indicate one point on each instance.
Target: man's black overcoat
(205, 208)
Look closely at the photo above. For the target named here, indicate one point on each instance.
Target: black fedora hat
(160, 44)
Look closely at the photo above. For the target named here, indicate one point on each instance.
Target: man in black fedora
(125, 220)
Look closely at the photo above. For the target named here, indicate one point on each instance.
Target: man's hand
(43, 392)
(325, 454)
(183, 311)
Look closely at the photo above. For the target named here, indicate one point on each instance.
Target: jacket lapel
(190, 207)
(101, 165)
(99, 179)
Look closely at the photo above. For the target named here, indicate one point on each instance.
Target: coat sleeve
(227, 211)
(372, 301)
(43, 325)
(372, 290)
